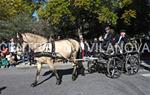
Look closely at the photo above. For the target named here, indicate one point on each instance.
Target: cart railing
(91, 58)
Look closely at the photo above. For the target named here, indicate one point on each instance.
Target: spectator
(81, 55)
(12, 51)
(95, 47)
(4, 48)
(4, 52)
(12, 47)
(87, 48)
(82, 47)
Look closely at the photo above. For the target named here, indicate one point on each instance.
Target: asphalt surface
(16, 81)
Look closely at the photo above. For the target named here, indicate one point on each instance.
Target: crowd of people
(11, 54)
(7, 52)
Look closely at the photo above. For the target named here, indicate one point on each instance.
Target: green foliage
(55, 10)
(5, 29)
(128, 15)
(11, 8)
(120, 3)
(64, 15)
(104, 10)
(107, 16)
(19, 23)
(43, 27)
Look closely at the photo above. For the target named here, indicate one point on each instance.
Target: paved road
(16, 81)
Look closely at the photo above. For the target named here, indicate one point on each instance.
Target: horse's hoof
(58, 82)
(74, 77)
(82, 72)
(34, 84)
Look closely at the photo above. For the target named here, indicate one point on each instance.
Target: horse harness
(53, 53)
(48, 54)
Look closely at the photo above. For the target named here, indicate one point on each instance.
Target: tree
(11, 8)
(43, 27)
(80, 13)
(66, 17)
(20, 23)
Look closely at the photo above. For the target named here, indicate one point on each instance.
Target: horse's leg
(74, 73)
(52, 67)
(39, 66)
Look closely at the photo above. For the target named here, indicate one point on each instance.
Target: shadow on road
(2, 88)
(61, 73)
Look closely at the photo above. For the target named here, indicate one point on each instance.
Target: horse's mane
(34, 35)
(41, 36)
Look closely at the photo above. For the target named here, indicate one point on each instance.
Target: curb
(145, 64)
(65, 65)
(57, 66)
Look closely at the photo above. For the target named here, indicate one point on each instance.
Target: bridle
(21, 41)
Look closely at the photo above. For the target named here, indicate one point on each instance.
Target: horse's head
(19, 38)
(21, 43)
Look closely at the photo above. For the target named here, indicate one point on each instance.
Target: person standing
(12, 47)
(4, 53)
(4, 49)
(12, 51)
(82, 47)
(81, 55)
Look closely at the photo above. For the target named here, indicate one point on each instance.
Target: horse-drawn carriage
(112, 64)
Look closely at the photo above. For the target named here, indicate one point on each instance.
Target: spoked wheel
(132, 65)
(114, 67)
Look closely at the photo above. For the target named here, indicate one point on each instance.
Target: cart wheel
(114, 67)
(132, 65)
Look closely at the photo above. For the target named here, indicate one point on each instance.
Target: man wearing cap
(122, 39)
(108, 37)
